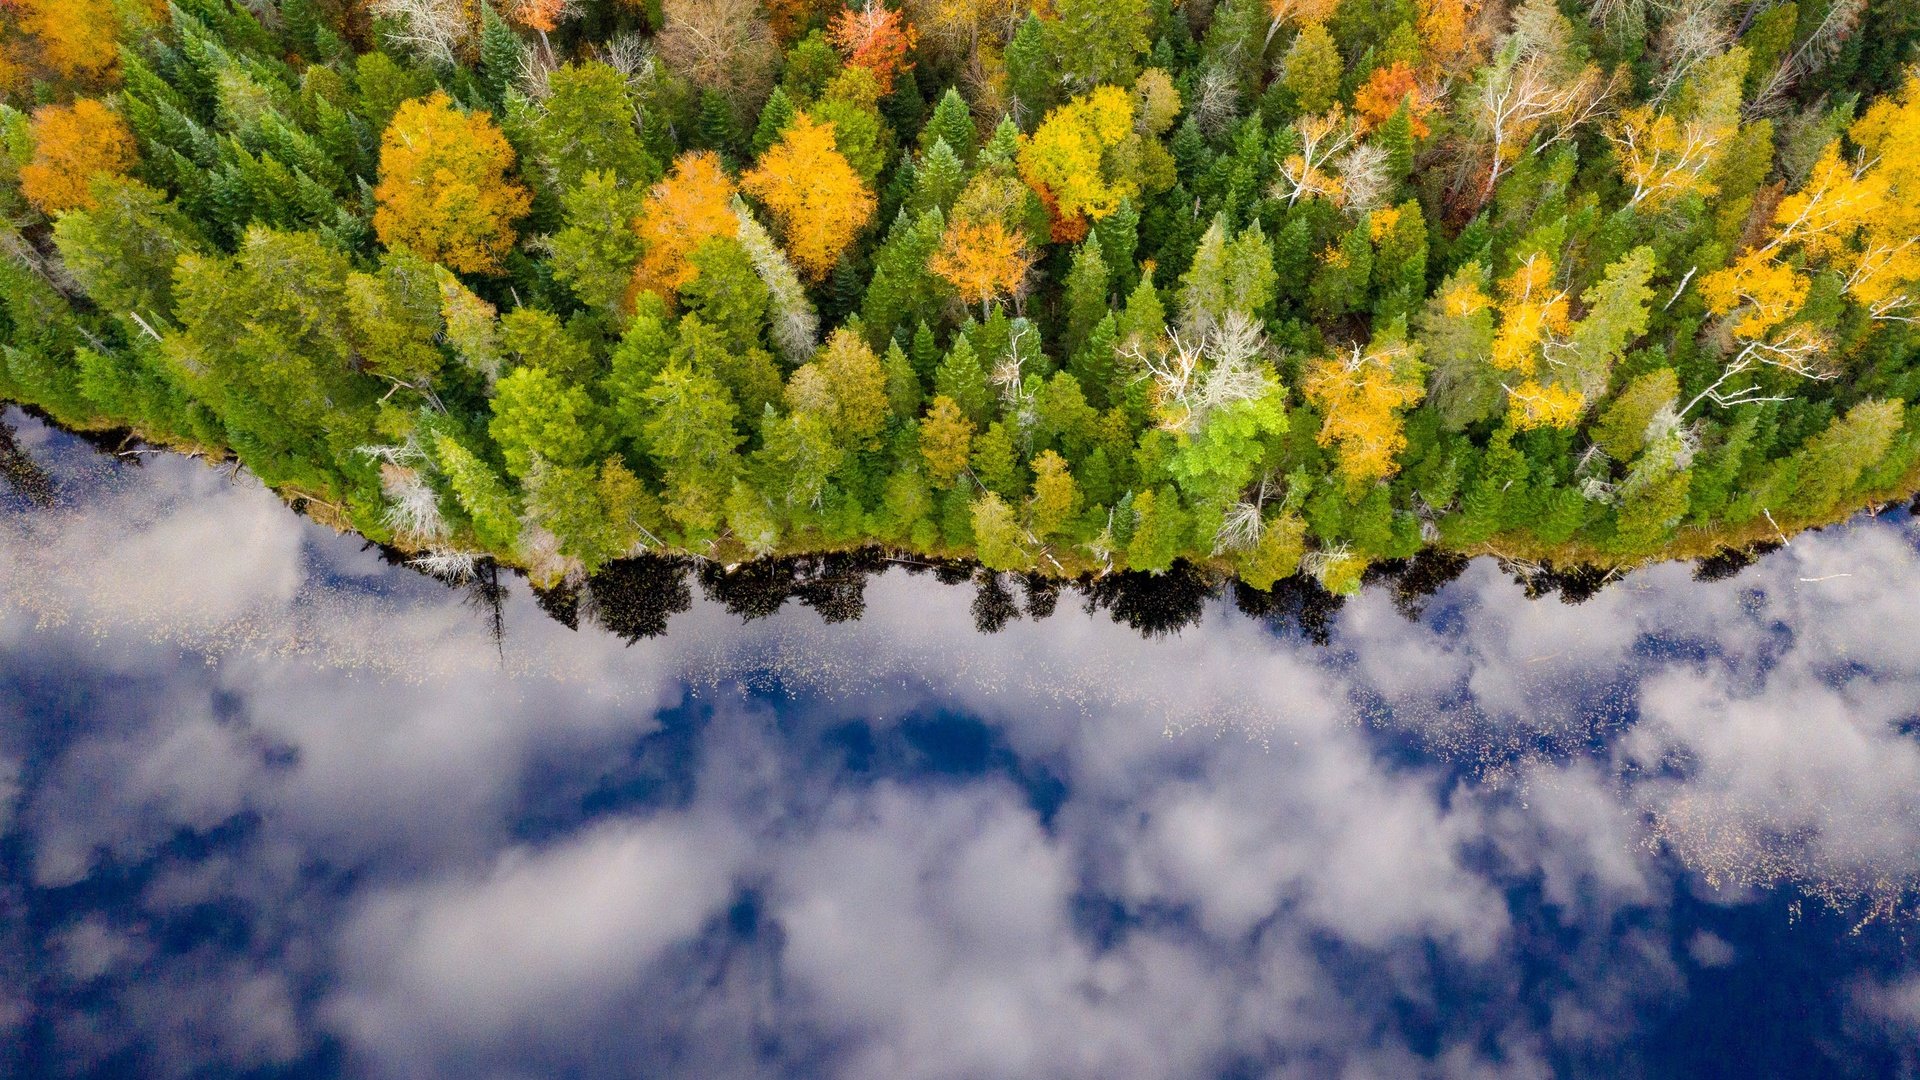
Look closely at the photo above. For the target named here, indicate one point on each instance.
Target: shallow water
(271, 805)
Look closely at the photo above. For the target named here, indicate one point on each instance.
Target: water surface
(271, 805)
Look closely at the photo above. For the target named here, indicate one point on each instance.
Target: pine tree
(952, 123)
(1085, 303)
(775, 115)
(962, 380)
(1029, 71)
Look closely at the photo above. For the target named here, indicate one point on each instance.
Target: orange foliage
(541, 15)
(1377, 101)
(74, 39)
(1448, 39)
(684, 210)
(817, 196)
(446, 190)
(71, 145)
(981, 260)
(875, 38)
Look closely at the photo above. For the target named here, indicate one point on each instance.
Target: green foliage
(1192, 254)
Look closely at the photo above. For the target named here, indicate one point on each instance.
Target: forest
(1278, 289)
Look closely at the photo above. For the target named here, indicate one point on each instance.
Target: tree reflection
(634, 598)
(23, 474)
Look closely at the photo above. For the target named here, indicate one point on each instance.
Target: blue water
(272, 805)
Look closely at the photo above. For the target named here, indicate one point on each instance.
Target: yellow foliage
(1361, 395)
(1759, 289)
(813, 192)
(1532, 405)
(71, 145)
(1529, 314)
(946, 441)
(1448, 40)
(1067, 158)
(446, 187)
(981, 259)
(1663, 159)
(1464, 300)
(691, 205)
(1830, 207)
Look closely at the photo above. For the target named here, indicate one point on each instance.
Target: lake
(273, 804)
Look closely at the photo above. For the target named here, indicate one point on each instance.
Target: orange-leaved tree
(813, 192)
(981, 260)
(446, 187)
(877, 38)
(690, 206)
(69, 39)
(1380, 97)
(71, 145)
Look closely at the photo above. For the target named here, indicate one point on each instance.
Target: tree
(1360, 395)
(264, 342)
(1056, 497)
(586, 125)
(962, 379)
(1074, 157)
(1531, 96)
(1623, 429)
(1389, 90)
(537, 418)
(439, 32)
(445, 191)
(1028, 74)
(1456, 337)
(1312, 69)
(815, 195)
(481, 493)
(122, 250)
(720, 45)
(1160, 531)
(1673, 153)
(74, 39)
(1097, 41)
(72, 144)
(982, 260)
(999, 542)
(691, 438)
(395, 318)
(946, 441)
(691, 205)
(846, 386)
(877, 38)
(595, 254)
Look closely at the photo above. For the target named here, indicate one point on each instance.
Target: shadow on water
(636, 598)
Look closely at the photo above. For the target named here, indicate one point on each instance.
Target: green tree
(1312, 69)
(1097, 41)
(586, 125)
(595, 252)
(537, 417)
(1160, 533)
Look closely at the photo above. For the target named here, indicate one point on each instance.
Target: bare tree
(721, 45)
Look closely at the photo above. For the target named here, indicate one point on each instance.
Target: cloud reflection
(269, 802)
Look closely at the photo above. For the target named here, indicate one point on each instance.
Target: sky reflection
(271, 806)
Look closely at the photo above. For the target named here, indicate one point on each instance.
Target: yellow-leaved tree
(446, 191)
(1071, 161)
(813, 192)
(1360, 395)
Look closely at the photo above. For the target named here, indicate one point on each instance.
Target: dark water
(272, 806)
